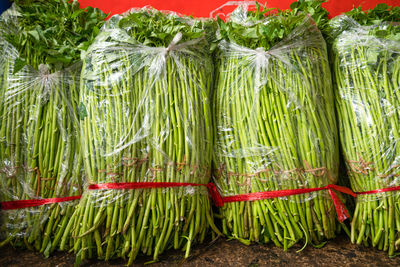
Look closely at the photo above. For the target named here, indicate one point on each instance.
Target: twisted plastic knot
(260, 50)
(175, 40)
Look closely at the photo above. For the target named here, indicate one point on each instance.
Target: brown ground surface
(338, 252)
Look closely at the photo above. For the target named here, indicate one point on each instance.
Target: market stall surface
(338, 252)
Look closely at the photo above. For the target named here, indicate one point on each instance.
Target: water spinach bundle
(275, 127)
(145, 120)
(366, 66)
(39, 145)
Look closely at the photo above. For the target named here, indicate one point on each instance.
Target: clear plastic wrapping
(145, 117)
(41, 168)
(276, 130)
(7, 25)
(39, 151)
(366, 64)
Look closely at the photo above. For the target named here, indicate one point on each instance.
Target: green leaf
(250, 32)
(372, 56)
(19, 64)
(82, 112)
(294, 5)
(34, 34)
(381, 33)
(381, 6)
(77, 13)
(96, 30)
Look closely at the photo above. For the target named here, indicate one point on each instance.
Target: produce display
(366, 65)
(145, 118)
(39, 145)
(119, 133)
(275, 127)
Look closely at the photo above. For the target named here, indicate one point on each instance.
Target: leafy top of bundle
(265, 27)
(154, 28)
(53, 32)
(383, 21)
(313, 8)
(381, 13)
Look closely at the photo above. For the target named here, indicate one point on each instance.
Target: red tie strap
(219, 201)
(29, 203)
(341, 210)
(214, 194)
(388, 189)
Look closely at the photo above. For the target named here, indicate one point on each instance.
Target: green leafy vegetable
(145, 118)
(275, 127)
(39, 146)
(366, 65)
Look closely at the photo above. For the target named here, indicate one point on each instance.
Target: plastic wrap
(7, 25)
(39, 153)
(39, 150)
(40, 160)
(366, 64)
(9, 21)
(145, 118)
(276, 130)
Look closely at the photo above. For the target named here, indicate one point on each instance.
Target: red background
(202, 8)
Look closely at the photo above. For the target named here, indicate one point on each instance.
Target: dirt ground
(338, 252)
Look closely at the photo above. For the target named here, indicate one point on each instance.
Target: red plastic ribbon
(28, 203)
(341, 210)
(219, 200)
(214, 194)
(388, 189)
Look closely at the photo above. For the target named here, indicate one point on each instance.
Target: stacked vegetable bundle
(145, 118)
(275, 127)
(366, 64)
(39, 148)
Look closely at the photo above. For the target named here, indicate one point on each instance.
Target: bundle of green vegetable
(366, 65)
(39, 148)
(145, 117)
(275, 127)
